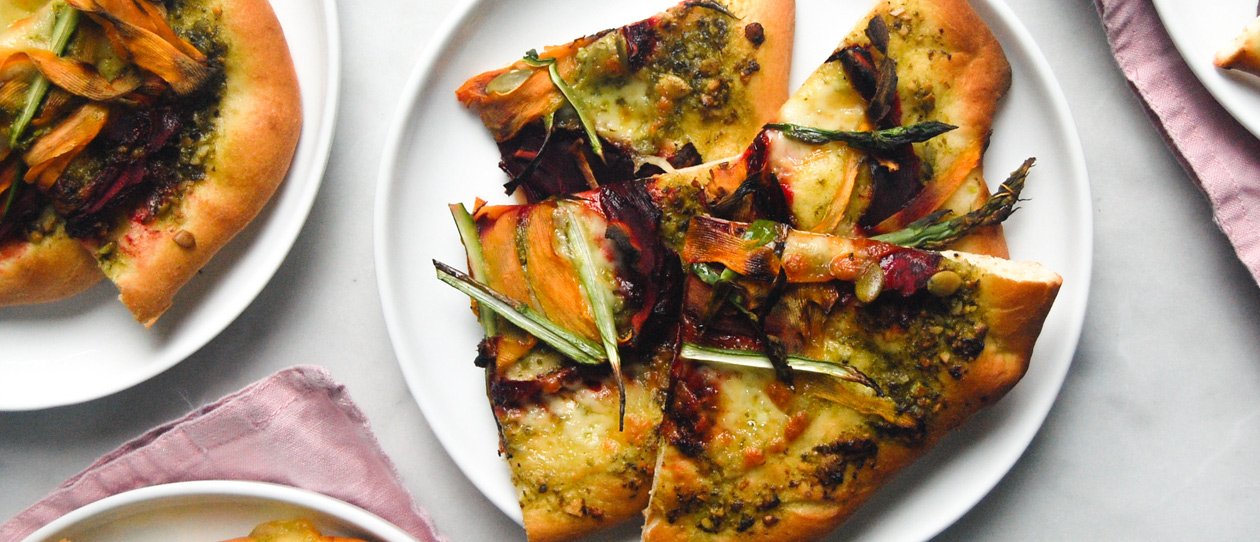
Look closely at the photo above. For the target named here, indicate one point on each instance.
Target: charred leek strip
(597, 298)
(757, 360)
(67, 21)
(878, 141)
(932, 233)
(531, 58)
(476, 260)
(577, 348)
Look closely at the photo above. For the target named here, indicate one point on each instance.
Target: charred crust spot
(641, 42)
(689, 414)
(835, 459)
(969, 347)
(749, 69)
(487, 352)
(755, 33)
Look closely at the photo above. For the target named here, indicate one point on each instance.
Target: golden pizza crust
(254, 141)
(950, 69)
(54, 268)
(1243, 53)
(769, 88)
(765, 88)
(1013, 299)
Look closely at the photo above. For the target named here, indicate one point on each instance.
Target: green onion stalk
(531, 58)
(935, 232)
(597, 296)
(67, 19)
(877, 141)
(576, 347)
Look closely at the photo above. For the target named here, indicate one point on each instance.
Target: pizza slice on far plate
(151, 133)
(692, 84)
(1243, 52)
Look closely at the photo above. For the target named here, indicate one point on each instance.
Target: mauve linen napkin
(1221, 155)
(297, 427)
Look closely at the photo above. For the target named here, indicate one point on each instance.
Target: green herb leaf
(933, 233)
(67, 19)
(597, 296)
(879, 141)
(574, 346)
(744, 358)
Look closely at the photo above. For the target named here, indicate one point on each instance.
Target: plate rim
(304, 200)
(1216, 81)
(305, 498)
(1081, 274)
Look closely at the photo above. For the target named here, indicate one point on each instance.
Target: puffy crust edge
(768, 90)
(550, 525)
(983, 70)
(1243, 53)
(255, 139)
(1015, 298)
(55, 268)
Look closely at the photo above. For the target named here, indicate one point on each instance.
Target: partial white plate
(1199, 29)
(439, 153)
(89, 346)
(210, 511)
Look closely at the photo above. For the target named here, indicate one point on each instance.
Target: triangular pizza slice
(909, 62)
(689, 85)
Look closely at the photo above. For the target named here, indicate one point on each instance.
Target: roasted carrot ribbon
(81, 78)
(141, 31)
(50, 154)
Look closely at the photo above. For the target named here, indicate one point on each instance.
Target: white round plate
(1199, 29)
(439, 153)
(89, 346)
(211, 511)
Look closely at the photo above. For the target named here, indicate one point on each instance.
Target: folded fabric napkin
(1221, 155)
(297, 427)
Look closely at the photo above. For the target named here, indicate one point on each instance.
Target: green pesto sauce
(185, 157)
(678, 205)
(911, 346)
(695, 77)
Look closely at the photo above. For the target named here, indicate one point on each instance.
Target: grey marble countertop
(1154, 434)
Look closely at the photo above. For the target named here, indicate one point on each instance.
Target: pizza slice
(154, 131)
(1243, 52)
(577, 399)
(813, 367)
(692, 84)
(909, 63)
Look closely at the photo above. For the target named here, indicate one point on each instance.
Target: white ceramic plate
(439, 153)
(211, 511)
(1199, 29)
(89, 346)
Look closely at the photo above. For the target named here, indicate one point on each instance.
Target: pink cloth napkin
(297, 427)
(1221, 155)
